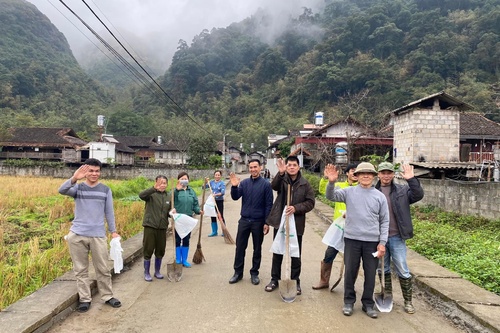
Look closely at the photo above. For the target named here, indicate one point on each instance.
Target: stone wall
(471, 198)
(430, 135)
(107, 173)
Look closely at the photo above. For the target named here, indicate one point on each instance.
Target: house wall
(427, 135)
(471, 198)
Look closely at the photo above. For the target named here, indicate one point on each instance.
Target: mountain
(41, 83)
(358, 58)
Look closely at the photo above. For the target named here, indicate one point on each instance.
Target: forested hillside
(358, 57)
(41, 84)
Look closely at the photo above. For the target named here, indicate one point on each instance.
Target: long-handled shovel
(340, 276)
(383, 302)
(288, 287)
(198, 256)
(227, 237)
(174, 270)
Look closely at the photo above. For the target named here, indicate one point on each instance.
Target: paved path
(203, 301)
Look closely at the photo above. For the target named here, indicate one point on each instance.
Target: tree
(200, 150)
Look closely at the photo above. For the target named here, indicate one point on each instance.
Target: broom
(198, 256)
(227, 237)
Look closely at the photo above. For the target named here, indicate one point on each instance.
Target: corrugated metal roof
(446, 165)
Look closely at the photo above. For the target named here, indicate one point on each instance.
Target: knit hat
(365, 167)
(385, 166)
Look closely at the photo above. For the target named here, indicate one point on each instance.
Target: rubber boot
(147, 265)
(214, 230)
(157, 268)
(407, 288)
(388, 283)
(324, 277)
(185, 251)
(178, 255)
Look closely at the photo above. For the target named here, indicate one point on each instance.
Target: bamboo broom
(227, 237)
(198, 256)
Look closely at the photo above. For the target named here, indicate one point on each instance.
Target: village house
(48, 144)
(438, 136)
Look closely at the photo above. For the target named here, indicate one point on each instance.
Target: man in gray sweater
(365, 232)
(93, 204)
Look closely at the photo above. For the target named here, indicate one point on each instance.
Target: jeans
(395, 249)
(330, 255)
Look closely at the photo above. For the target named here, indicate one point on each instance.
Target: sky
(158, 25)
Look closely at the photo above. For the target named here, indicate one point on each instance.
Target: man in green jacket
(155, 225)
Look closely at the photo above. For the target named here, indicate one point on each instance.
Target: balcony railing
(31, 155)
(478, 157)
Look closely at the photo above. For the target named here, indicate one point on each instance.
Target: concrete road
(204, 301)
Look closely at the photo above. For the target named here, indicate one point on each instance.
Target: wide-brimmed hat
(365, 167)
(385, 166)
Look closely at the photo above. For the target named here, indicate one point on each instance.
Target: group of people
(378, 223)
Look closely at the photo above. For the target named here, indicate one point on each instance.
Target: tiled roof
(473, 123)
(43, 137)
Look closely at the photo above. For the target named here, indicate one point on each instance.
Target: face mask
(184, 182)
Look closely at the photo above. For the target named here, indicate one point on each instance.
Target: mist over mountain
(267, 72)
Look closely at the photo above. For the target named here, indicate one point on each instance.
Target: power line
(97, 46)
(131, 68)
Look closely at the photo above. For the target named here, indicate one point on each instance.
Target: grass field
(34, 218)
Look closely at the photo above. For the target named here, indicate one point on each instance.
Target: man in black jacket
(399, 198)
(302, 201)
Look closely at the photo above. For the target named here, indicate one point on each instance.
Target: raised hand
(281, 166)
(331, 173)
(80, 173)
(235, 181)
(407, 171)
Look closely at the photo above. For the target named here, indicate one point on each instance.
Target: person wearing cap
(399, 198)
(340, 209)
(365, 232)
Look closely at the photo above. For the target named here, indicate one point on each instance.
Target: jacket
(156, 209)
(256, 198)
(302, 198)
(402, 196)
(186, 202)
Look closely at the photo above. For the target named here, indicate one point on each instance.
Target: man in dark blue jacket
(256, 203)
(399, 198)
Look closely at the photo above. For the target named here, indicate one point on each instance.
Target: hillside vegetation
(358, 57)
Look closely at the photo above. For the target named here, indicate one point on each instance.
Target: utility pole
(224, 151)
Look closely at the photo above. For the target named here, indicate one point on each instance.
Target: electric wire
(96, 45)
(179, 108)
(139, 76)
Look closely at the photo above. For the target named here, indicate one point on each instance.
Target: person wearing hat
(365, 232)
(340, 209)
(399, 198)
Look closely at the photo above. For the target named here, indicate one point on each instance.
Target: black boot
(407, 288)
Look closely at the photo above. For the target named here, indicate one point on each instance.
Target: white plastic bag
(279, 243)
(115, 253)
(183, 224)
(209, 207)
(334, 236)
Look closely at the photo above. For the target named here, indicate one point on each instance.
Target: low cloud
(155, 27)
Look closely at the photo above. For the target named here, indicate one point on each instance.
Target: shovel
(340, 276)
(174, 270)
(383, 302)
(288, 287)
